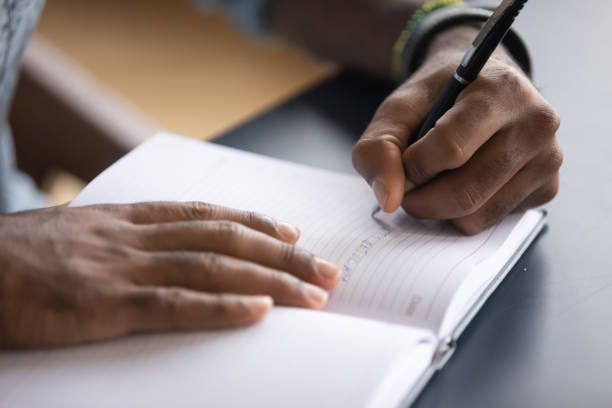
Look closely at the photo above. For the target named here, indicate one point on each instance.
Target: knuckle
(143, 212)
(485, 217)
(506, 79)
(229, 231)
(497, 168)
(415, 168)
(545, 120)
(211, 264)
(415, 171)
(362, 150)
(251, 218)
(140, 300)
(358, 153)
(511, 78)
(170, 298)
(261, 221)
(411, 211)
(368, 147)
(482, 107)
(449, 144)
(396, 99)
(112, 230)
(201, 210)
(404, 100)
(555, 159)
(121, 253)
(241, 308)
(225, 304)
(138, 239)
(488, 87)
(288, 254)
(467, 199)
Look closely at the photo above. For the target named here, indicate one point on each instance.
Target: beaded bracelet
(397, 64)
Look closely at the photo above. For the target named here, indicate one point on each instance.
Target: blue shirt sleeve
(249, 15)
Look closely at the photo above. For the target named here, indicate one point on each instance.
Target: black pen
(489, 38)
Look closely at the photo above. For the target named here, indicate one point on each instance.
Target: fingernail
(409, 186)
(316, 294)
(326, 269)
(262, 302)
(288, 232)
(379, 191)
(259, 306)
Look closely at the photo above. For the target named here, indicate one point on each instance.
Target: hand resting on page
(73, 275)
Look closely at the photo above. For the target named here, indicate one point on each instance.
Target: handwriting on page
(392, 265)
(360, 253)
(383, 274)
(412, 306)
(398, 273)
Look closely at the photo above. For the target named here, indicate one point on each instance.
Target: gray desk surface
(544, 338)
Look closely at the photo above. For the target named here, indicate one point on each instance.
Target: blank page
(395, 268)
(294, 358)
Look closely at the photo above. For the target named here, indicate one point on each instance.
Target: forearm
(358, 34)
(361, 34)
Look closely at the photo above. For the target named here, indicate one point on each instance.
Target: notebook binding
(445, 350)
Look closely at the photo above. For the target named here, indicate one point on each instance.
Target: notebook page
(479, 280)
(394, 268)
(278, 362)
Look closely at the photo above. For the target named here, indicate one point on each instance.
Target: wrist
(399, 65)
(440, 25)
(452, 43)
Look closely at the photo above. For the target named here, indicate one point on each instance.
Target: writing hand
(72, 275)
(494, 152)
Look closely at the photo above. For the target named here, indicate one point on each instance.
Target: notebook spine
(445, 350)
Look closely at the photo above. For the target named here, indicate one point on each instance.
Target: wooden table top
(186, 69)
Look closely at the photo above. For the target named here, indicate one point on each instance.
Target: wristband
(432, 23)
(397, 63)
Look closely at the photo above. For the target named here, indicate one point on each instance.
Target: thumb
(379, 161)
(377, 156)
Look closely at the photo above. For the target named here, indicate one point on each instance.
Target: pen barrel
(446, 100)
(483, 51)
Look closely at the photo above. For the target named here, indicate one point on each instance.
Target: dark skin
(494, 153)
(332, 29)
(72, 275)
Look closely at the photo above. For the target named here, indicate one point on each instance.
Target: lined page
(278, 362)
(394, 268)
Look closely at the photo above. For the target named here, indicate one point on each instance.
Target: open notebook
(408, 290)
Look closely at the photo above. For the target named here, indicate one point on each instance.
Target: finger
(377, 156)
(455, 138)
(463, 191)
(238, 241)
(210, 272)
(541, 196)
(534, 185)
(161, 212)
(162, 309)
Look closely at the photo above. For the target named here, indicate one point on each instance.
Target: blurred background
(125, 69)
